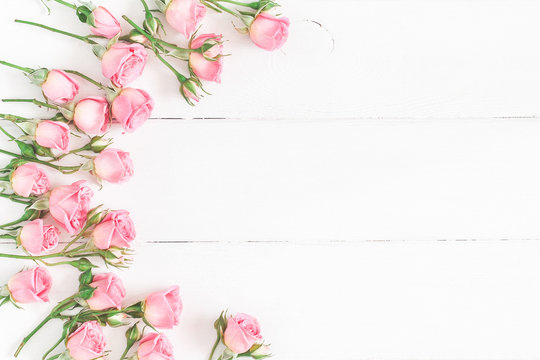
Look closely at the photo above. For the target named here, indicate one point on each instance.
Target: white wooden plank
(454, 300)
(412, 58)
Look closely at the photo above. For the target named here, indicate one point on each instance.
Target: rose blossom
(241, 333)
(28, 179)
(91, 115)
(203, 68)
(115, 230)
(269, 32)
(162, 309)
(185, 15)
(69, 205)
(59, 88)
(87, 342)
(123, 63)
(131, 108)
(30, 286)
(155, 347)
(37, 238)
(105, 24)
(113, 165)
(109, 292)
(53, 135)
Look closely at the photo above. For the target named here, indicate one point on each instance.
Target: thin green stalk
(89, 79)
(146, 9)
(214, 348)
(79, 235)
(13, 118)
(75, 151)
(14, 198)
(62, 169)
(33, 101)
(74, 7)
(7, 134)
(124, 354)
(8, 236)
(79, 37)
(249, 5)
(22, 68)
(226, 9)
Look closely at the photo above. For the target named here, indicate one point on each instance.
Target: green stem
(7, 134)
(74, 7)
(8, 236)
(15, 198)
(79, 37)
(124, 354)
(226, 9)
(179, 76)
(25, 69)
(33, 101)
(75, 151)
(145, 5)
(89, 79)
(253, 5)
(62, 169)
(13, 118)
(79, 235)
(214, 348)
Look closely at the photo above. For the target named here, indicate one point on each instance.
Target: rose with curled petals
(104, 23)
(241, 333)
(113, 165)
(53, 135)
(123, 63)
(115, 230)
(30, 286)
(185, 15)
(155, 347)
(162, 309)
(131, 108)
(28, 179)
(69, 205)
(87, 342)
(59, 87)
(37, 238)
(269, 32)
(109, 293)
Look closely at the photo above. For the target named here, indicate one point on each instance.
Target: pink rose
(30, 286)
(241, 333)
(155, 347)
(115, 230)
(109, 292)
(113, 165)
(91, 115)
(28, 179)
(123, 63)
(105, 24)
(203, 68)
(69, 205)
(131, 108)
(53, 135)
(269, 32)
(189, 91)
(87, 342)
(37, 238)
(185, 15)
(162, 309)
(59, 88)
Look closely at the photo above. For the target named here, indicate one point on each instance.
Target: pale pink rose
(190, 95)
(203, 68)
(269, 32)
(59, 88)
(30, 286)
(105, 24)
(155, 347)
(185, 15)
(28, 179)
(113, 165)
(109, 293)
(69, 205)
(131, 108)
(241, 333)
(53, 135)
(91, 115)
(162, 309)
(87, 342)
(115, 230)
(37, 238)
(123, 63)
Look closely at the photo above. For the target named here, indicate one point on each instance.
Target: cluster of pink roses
(124, 57)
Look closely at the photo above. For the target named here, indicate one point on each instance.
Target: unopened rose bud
(133, 334)
(86, 277)
(268, 31)
(117, 320)
(98, 144)
(103, 23)
(59, 87)
(38, 76)
(260, 351)
(135, 36)
(189, 91)
(207, 65)
(95, 216)
(151, 24)
(82, 264)
(29, 179)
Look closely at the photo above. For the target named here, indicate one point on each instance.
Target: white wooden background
(370, 192)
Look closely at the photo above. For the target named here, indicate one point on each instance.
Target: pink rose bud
(269, 32)
(241, 333)
(123, 63)
(113, 165)
(115, 230)
(53, 135)
(69, 205)
(87, 342)
(109, 292)
(189, 90)
(203, 68)
(185, 15)
(28, 179)
(59, 88)
(91, 115)
(37, 238)
(105, 24)
(30, 286)
(162, 309)
(155, 347)
(131, 108)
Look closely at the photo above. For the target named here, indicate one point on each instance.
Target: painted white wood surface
(317, 198)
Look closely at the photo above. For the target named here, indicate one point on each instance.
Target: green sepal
(83, 264)
(27, 150)
(85, 15)
(86, 292)
(86, 278)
